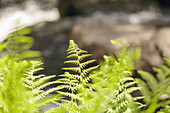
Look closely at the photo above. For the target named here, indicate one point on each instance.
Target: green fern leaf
(158, 87)
(18, 44)
(167, 61)
(152, 82)
(77, 84)
(144, 90)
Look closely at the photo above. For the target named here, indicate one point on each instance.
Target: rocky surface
(94, 34)
(92, 24)
(163, 41)
(158, 47)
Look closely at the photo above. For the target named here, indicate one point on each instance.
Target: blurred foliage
(106, 89)
(156, 90)
(20, 88)
(103, 88)
(18, 44)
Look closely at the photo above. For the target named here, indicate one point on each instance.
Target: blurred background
(91, 24)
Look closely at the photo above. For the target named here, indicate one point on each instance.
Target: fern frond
(18, 44)
(112, 82)
(84, 64)
(72, 56)
(144, 90)
(84, 56)
(49, 99)
(73, 96)
(155, 86)
(2, 46)
(75, 69)
(71, 62)
(132, 89)
(71, 76)
(75, 52)
(20, 89)
(90, 69)
(152, 82)
(82, 52)
(76, 84)
(167, 61)
(37, 83)
(42, 94)
(13, 95)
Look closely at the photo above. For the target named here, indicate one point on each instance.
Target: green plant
(18, 44)
(76, 81)
(20, 89)
(113, 83)
(13, 95)
(103, 88)
(156, 87)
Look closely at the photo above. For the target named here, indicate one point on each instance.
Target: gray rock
(163, 42)
(94, 34)
(157, 47)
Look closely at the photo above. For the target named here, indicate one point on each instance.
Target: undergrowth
(103, 88)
